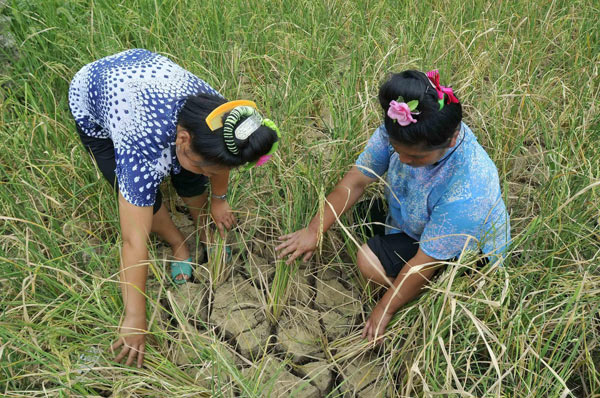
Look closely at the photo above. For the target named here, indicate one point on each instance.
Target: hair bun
(434, 127)
(259, 143)
(210, 145)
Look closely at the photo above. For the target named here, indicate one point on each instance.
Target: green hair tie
(234, 117)
(264, 158)
(271, 124)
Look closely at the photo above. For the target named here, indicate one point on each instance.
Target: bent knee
(367, 260)
(370, 266)
(361, 259)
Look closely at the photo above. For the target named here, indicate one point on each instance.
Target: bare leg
(197, 206)
(370, 267)
(163, 225)
(166, 229)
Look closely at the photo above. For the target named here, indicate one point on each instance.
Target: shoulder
(382, 131)
(380, 136)
(473, 158)
(379, 142)
(477, 161)
(473, 173)
(376, 154)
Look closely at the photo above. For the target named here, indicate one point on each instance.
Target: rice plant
(527, 73)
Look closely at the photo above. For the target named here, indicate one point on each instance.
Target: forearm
(344, 195)
(196, 205)
(408, 284)
(133, 275)
(218, 183)
(341, 199)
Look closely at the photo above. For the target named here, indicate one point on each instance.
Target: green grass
(527, 73)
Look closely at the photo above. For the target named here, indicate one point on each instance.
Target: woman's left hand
(222, 215)
(377, 322)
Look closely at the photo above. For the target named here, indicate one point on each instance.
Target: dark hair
(434, 127)
(210, 144)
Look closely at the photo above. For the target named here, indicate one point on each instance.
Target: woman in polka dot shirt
(143, 118)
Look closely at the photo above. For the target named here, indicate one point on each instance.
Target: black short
(394, 250)
(186, 183)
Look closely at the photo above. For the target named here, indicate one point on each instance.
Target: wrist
(136, 309)
(314, 227)
(388, 303)
(135, 313)
(219, 197)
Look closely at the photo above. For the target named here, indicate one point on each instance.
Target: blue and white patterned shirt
(452, 205)
(134, 98)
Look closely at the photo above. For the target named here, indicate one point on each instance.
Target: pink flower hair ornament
(402, 112)
(434, 78)
(263, 159)
(266, 157)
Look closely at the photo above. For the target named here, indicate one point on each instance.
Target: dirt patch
(300, 336)
(301, 290)
(186, 351)
(239, 314)
(319, 374)
(363, 377)
(259, 269)
(272, 377)
(190, 300)
(339, 307)
(289, 356)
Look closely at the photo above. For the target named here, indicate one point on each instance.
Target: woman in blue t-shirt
(442, 190)
(143, 118)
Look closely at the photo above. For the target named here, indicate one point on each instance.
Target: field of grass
(527, 73)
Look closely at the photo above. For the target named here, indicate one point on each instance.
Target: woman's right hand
(303, 241)
(132, 336)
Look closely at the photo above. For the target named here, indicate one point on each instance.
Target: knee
(137, 246)
(362, 260)
(370, 267)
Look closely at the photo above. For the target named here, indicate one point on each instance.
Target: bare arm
(136, 223)
(344, 195)
(407, 285)
(219, 182)
(219, 208)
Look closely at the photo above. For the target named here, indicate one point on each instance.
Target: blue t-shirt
(133, 98)
(452, 205)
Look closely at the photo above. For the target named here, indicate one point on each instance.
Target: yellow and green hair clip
(237, 110)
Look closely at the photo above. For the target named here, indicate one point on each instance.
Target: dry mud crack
(286, 357)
